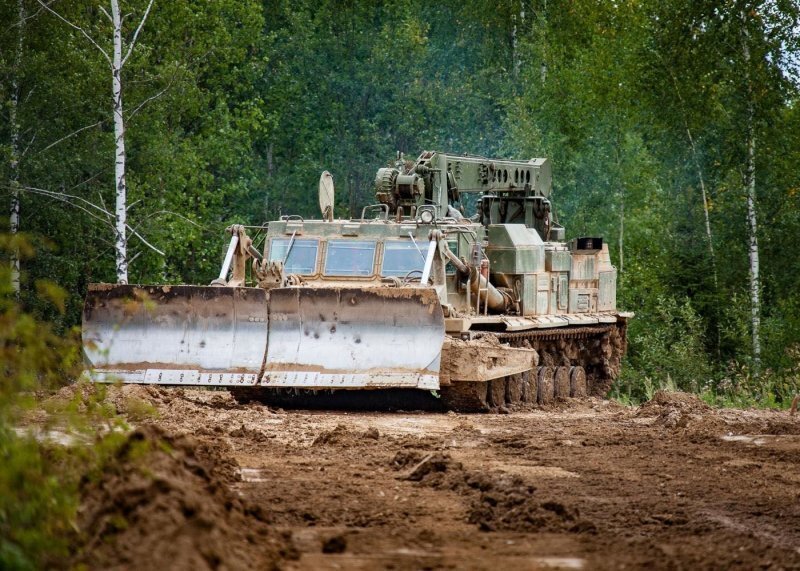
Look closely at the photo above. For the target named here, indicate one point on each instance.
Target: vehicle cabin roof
(371, 229)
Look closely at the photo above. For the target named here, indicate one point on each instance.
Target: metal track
(548, 334)
(600, 358)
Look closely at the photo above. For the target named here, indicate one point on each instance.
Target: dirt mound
(506, 502)
(673, 409)
(673, 399)
(497, 501)
(163, 498)
(340, 435)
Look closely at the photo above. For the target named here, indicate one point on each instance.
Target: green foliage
(234, 108)
(138, 410)
(36, 509)
(38, 479)
(772, 389)
(665, 351)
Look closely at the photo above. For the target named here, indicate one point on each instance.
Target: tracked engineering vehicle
(481, 311)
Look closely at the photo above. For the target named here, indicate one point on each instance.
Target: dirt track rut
(586, 485)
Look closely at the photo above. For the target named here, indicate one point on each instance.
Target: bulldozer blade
(175, 335)
(351, 338)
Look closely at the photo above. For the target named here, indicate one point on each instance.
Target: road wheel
(497, 392)
(514, 388)
(544, 382)
(529, 386)
(577, 382)
(561, 383)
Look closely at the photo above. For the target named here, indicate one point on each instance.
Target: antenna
(326, 195)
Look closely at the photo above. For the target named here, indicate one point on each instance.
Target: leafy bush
(38, 480)
(665, 351)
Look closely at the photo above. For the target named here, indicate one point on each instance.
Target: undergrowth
(39, 478)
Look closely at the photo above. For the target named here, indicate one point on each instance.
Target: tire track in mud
(589, 484)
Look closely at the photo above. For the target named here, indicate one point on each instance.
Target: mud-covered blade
(190, 335)
(330, 338)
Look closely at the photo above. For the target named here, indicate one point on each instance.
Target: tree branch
(63, 197)
(171, 213)
(81, 30)
(136, 33)
(145, 242)
(136, 255)
(88, 180)
(26, 18)
(152, 98)
(28, 146)
(66, 198)
(62, 139)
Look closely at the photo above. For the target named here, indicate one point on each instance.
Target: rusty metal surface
(175, 334)
(350, 337)
(478, 360)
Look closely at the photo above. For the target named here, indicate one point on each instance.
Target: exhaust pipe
(485, 291)
(479, 285)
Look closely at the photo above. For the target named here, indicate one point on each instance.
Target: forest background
(673, 128)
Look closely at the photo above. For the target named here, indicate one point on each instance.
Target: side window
(403, 257)
(350, 258)
(302, 257)
(449, 268)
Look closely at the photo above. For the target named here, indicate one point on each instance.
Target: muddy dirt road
(585, 485)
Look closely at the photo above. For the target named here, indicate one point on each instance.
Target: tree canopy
(662, 120)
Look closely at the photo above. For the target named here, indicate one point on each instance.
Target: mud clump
(496, 501)
(165, 498)
(673, 399)
(340, 435)
(673, 409)
(404, 458)
(436, 463)
(337, 436)
(335, 544)
(507, 503)
(252, 435)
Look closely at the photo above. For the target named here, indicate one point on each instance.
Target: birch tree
(768, 34)
(15, 150)
(750, 193)
(116, 62)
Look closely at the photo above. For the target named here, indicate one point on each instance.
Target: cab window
(302, 258)
(403, 257)
(449, 268)
(350, 258)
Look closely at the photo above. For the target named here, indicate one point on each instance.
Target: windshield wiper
(421, 255)
(289, 249)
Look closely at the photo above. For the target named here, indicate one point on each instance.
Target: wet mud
(583, 484)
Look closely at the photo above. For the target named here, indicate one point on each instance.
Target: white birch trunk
(514, 48)
(618, 153)
(543, 68)
(15, 155)
(121, 205)
(752, 218)
(621, 234)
